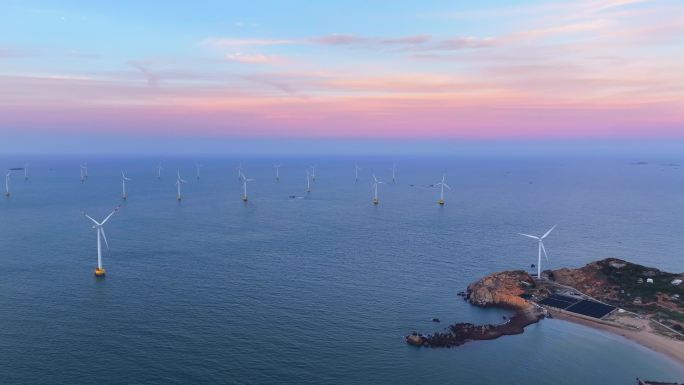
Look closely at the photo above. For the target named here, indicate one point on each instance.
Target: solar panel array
(580, 306)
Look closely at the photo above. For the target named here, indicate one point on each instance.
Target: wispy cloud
(253, 58)
(151, 78)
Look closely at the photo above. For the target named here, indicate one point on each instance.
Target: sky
(236, 75)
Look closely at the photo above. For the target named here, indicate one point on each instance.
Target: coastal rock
(501, 289)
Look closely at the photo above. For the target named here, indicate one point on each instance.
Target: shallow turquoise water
(317, 290)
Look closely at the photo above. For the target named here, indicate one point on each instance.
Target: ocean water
(319, 290)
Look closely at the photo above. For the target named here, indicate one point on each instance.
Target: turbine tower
(159, 168)
(394, 173)
(124, 179)
(179, 181)
(245, 180)
(442, 185)
(7, 184)
(98, 226)
(376, 182)
(26, 171)
(356, 172)
(277, 168)
(541, 248)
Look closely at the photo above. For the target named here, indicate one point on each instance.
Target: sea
(317, 288)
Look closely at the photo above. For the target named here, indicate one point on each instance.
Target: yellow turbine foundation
(441, 202)
(99, 272)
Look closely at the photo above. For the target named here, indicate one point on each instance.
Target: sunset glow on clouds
(430, 69)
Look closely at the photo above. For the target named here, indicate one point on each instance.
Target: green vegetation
(628, 275)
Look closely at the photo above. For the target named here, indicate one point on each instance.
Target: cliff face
(501, 289)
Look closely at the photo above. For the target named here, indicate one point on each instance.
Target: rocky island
(637, 302)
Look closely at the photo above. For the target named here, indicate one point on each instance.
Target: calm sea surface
(317, 290)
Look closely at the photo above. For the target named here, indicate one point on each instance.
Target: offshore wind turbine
(83, 172)
(98, 226)
(277, 168)
(197, 168)
(179, 181)
(245, 180)
(124, 179)
(159, 168)
(442, 185)
(26, 171)
(313, 173)
(356, 172)
(394, 173)
(541, 248)
(308, 181)
(239, 170)
(376, 182)
(7, 184)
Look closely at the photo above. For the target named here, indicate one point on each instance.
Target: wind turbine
(159, 168)
(197, 167)
(124, 179)
(98, 226)
(245, 180)
(376, 182)
(26, 171)
(541, 248)
(239, 168)
(394, 173)
(308, 181)
(179, 181)
(84, 173)
(7, 179)
(356, 172)
(442, 185)
(277, 167)
(313, 173)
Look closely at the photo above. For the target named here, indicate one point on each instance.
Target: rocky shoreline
(502, 290)
(648, 303)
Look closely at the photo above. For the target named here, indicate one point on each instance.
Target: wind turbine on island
(179, 181)
(7, 183)
(245, 180)
(376, 182)
(308, 181)
(541, 248)
(159, 168)
(442, 185)
(124, 179)
(98, 226)
(277, 168)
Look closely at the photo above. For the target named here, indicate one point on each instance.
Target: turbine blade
(104, 237)
(91, 218)
(110, 215)
(548, 232)
(529, 236)
(447, 186)
(544, 250)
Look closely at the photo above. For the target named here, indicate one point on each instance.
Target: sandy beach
(645, 337)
